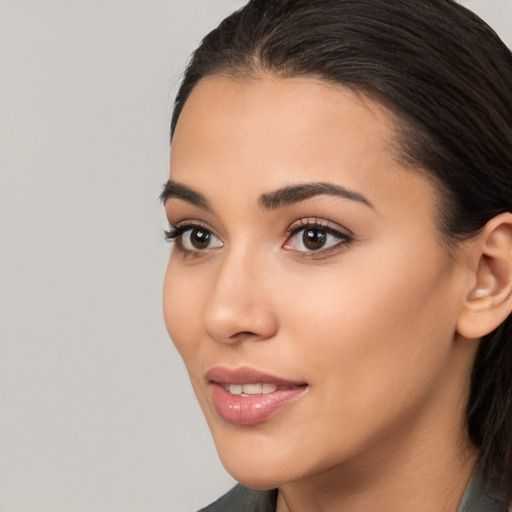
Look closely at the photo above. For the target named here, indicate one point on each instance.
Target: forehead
(271, 116)
(260, 134)
(298, 104)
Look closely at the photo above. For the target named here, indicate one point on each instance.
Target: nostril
(244, 335)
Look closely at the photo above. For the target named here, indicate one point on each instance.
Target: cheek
(181, 312)
(371, 335)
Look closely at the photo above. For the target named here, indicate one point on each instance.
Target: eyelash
(176, 232)
(344, 236)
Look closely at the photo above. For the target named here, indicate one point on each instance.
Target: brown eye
(314, 239)
(197, 238)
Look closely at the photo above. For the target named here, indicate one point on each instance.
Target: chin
(257, 477)
(250, 469)
(257, 462)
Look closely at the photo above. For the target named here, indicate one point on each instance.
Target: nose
(239, 306)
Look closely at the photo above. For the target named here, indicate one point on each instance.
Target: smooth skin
(366, 308)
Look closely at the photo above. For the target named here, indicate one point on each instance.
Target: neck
(426, 473)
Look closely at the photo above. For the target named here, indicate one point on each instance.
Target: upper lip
(247, 375)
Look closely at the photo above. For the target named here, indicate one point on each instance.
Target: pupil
(200, 238)
(314, 238)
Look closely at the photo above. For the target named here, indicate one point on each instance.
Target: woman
(340, 285)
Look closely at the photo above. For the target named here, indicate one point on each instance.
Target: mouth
(245, 396)
(261, 388)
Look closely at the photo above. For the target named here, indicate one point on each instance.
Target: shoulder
(243, 499)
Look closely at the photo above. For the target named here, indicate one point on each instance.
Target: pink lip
(250, 409)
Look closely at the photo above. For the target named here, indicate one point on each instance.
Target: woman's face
(308, 291)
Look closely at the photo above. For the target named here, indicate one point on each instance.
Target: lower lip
(251, 409)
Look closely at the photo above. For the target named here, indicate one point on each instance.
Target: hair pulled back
(447, 77)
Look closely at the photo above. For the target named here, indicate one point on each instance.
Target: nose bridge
(239, 306)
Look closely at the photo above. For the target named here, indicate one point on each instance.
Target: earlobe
(489, 302)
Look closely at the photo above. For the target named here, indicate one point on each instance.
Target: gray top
(478, 497)
(243, 499)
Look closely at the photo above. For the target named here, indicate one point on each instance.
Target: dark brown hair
(447, 77)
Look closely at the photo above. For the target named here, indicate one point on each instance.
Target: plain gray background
(95, 406)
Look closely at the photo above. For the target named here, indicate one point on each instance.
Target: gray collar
(481, 496)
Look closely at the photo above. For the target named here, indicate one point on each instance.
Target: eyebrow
(294, 194)
(285, 196)
(180, 191)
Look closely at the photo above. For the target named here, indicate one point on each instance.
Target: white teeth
(235, 389)
(250, 389)
(269, 388)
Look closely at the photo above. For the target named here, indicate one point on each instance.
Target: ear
(489, 301)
